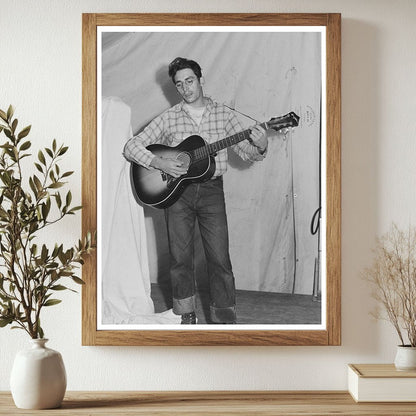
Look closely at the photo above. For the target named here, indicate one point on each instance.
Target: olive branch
(30, 272)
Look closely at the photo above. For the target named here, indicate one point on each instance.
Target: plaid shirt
(175, 125)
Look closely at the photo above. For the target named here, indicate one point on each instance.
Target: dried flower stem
(393, 276)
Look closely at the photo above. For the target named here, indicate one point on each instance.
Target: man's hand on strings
(258, 136)
(172, 167)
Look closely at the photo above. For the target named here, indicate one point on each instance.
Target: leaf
(54, 145)
(8, 133)
(56, 185)
(34, 249)
(60, 249)
(45, 210)
(54, 276)
(5, 321)
(68, 199)
(37, 182)
(41, 157)
(10, 112)
(63, 150)
(49, 152)
(59, 287)
(55, 251)
(76, 279)
(72, 210)
(25, 145)
(62, 257)
(39, 167)
(44, 253)
(34, 226)
(33, 187)
(67, 174)
(24, 132)
(58, 199)
(3, 115)
(14, 125)
(40, 331)
(51, 302)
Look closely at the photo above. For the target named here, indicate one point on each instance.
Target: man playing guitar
(201, 202)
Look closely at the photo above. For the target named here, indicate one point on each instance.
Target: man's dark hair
(182, 63)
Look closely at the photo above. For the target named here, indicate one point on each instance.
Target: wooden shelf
(318, 403)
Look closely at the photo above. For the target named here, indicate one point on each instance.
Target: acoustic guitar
(160, 190)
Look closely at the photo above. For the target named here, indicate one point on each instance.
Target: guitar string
(204, 151)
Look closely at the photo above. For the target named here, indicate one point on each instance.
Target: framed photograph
(211, 172)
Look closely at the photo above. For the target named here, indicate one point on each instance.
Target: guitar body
(160, 190)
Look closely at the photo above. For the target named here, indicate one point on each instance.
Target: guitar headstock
(278, 123)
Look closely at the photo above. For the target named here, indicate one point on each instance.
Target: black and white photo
(212, 179)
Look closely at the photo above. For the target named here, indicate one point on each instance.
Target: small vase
(405, 358)
(38, 377)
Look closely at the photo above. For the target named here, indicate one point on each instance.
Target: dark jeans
(202, 202)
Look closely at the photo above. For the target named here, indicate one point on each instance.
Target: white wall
(40, 73)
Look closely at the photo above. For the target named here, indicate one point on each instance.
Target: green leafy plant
(393, 277)
(30, 272)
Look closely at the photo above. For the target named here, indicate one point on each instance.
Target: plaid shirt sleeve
(244, 149)
(135, 149)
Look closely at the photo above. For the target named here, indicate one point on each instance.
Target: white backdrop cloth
(124, 260)
(270, 204)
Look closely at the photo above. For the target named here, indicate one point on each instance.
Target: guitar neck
(277, 123)
(230, 141)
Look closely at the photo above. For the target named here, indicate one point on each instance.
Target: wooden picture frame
(331, 334)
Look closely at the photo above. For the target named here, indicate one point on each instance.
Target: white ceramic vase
(405, 358)
(38, 377)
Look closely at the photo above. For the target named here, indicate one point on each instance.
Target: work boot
(188, 318)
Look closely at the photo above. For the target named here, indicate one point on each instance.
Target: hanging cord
(239, 112)
(315, 221)
(295, 250)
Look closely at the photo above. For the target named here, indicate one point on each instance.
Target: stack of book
(381, 383)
